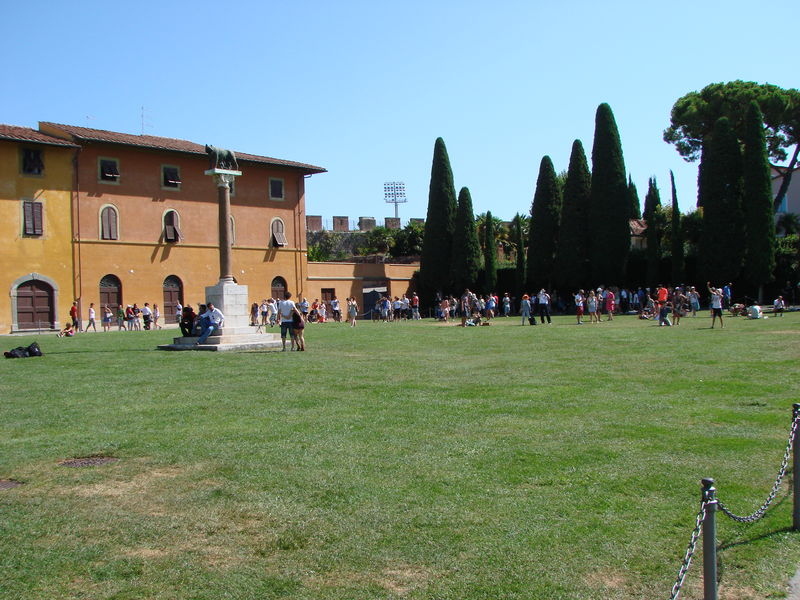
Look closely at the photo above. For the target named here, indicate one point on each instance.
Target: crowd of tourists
(126, 318)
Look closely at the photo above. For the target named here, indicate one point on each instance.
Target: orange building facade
(133, 219)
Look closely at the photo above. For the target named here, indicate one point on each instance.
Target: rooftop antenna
(145, 122)
(394, 192)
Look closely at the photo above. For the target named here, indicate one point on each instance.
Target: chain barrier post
(795, 473)
(709, 497)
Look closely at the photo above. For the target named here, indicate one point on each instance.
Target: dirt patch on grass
(613, 580)
(88, 461)
(738, 593)
(146, 553)
(399, 581)
(403, 580)
(138, 486)
(7, 484)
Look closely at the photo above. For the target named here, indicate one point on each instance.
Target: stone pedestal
(231, 298)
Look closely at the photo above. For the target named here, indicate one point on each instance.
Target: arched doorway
(35, 305)
(278, 288)
(111, 292)
(173, 295)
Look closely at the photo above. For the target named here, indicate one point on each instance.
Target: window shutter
(28, 213)
(278, 235)
(37, 218)
(112, 223)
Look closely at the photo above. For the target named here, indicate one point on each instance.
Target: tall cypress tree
(610, 235)
(759, 257)
(519, 240)
(571, 270)
(633, 195)
(545, 217)
(437, 244)
(489, 256)
(720, 195)
(465, 255)
(676, 236)
(652, 202)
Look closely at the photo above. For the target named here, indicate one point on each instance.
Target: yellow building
(36, 265)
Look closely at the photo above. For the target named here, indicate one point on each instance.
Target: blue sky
(364, 88)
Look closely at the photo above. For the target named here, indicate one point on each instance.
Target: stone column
(223, 178)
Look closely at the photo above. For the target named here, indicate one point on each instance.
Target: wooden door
(34, 305)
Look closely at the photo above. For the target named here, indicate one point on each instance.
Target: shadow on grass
(727, 545)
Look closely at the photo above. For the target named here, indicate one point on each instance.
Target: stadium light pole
(394, 192)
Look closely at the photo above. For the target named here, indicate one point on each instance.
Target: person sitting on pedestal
(187, 321)
(213, 319)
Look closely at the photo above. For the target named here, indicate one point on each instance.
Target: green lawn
(409, 460)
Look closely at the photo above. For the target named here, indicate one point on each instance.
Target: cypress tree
(545, 217)
(676, 236)
(720, 189)
(652, 202)
(610, 235)
(489, 256)
(571, 268)
(633, 195)
(759, 257)
(519, 241)
(465, 255)
(437, 244)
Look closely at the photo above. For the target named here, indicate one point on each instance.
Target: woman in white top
(716, 305)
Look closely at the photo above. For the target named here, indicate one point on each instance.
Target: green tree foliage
(571, 270)
(518, 228)
(633, 195)
(408, 241)
(655, 230)
(676, 236)
(489, 255)
(720, 194)
(380, 240)
(545, 218)
(609, 238)
(465, 254)
(694, 116)
(759, 255)
(434, 273)
(788, 224)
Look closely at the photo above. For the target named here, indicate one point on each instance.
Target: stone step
(226, 342)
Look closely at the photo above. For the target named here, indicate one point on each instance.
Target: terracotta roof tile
(24, 134)
(79, 134)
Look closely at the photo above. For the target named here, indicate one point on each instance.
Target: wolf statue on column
(219, 158)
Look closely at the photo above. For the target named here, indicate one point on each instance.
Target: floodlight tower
(394, 192)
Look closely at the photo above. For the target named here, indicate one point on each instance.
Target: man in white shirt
(286, 308)
(212, 321)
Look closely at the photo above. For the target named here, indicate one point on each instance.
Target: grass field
(409, 460)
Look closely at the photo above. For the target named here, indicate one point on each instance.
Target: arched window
(172, 232)
(110, 291)
(108, 223)
(278, 237)
(278, 288)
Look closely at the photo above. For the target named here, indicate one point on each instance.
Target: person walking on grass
(156, 316)
(525, 309)
(92, 317)
(352, 311)
(716, 305)
(544, 306)
(287, 309)
(580, 300)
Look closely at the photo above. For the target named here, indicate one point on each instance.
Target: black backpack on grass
(23, 352)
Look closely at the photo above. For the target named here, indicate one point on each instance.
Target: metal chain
(763, 508)
(687, 559)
